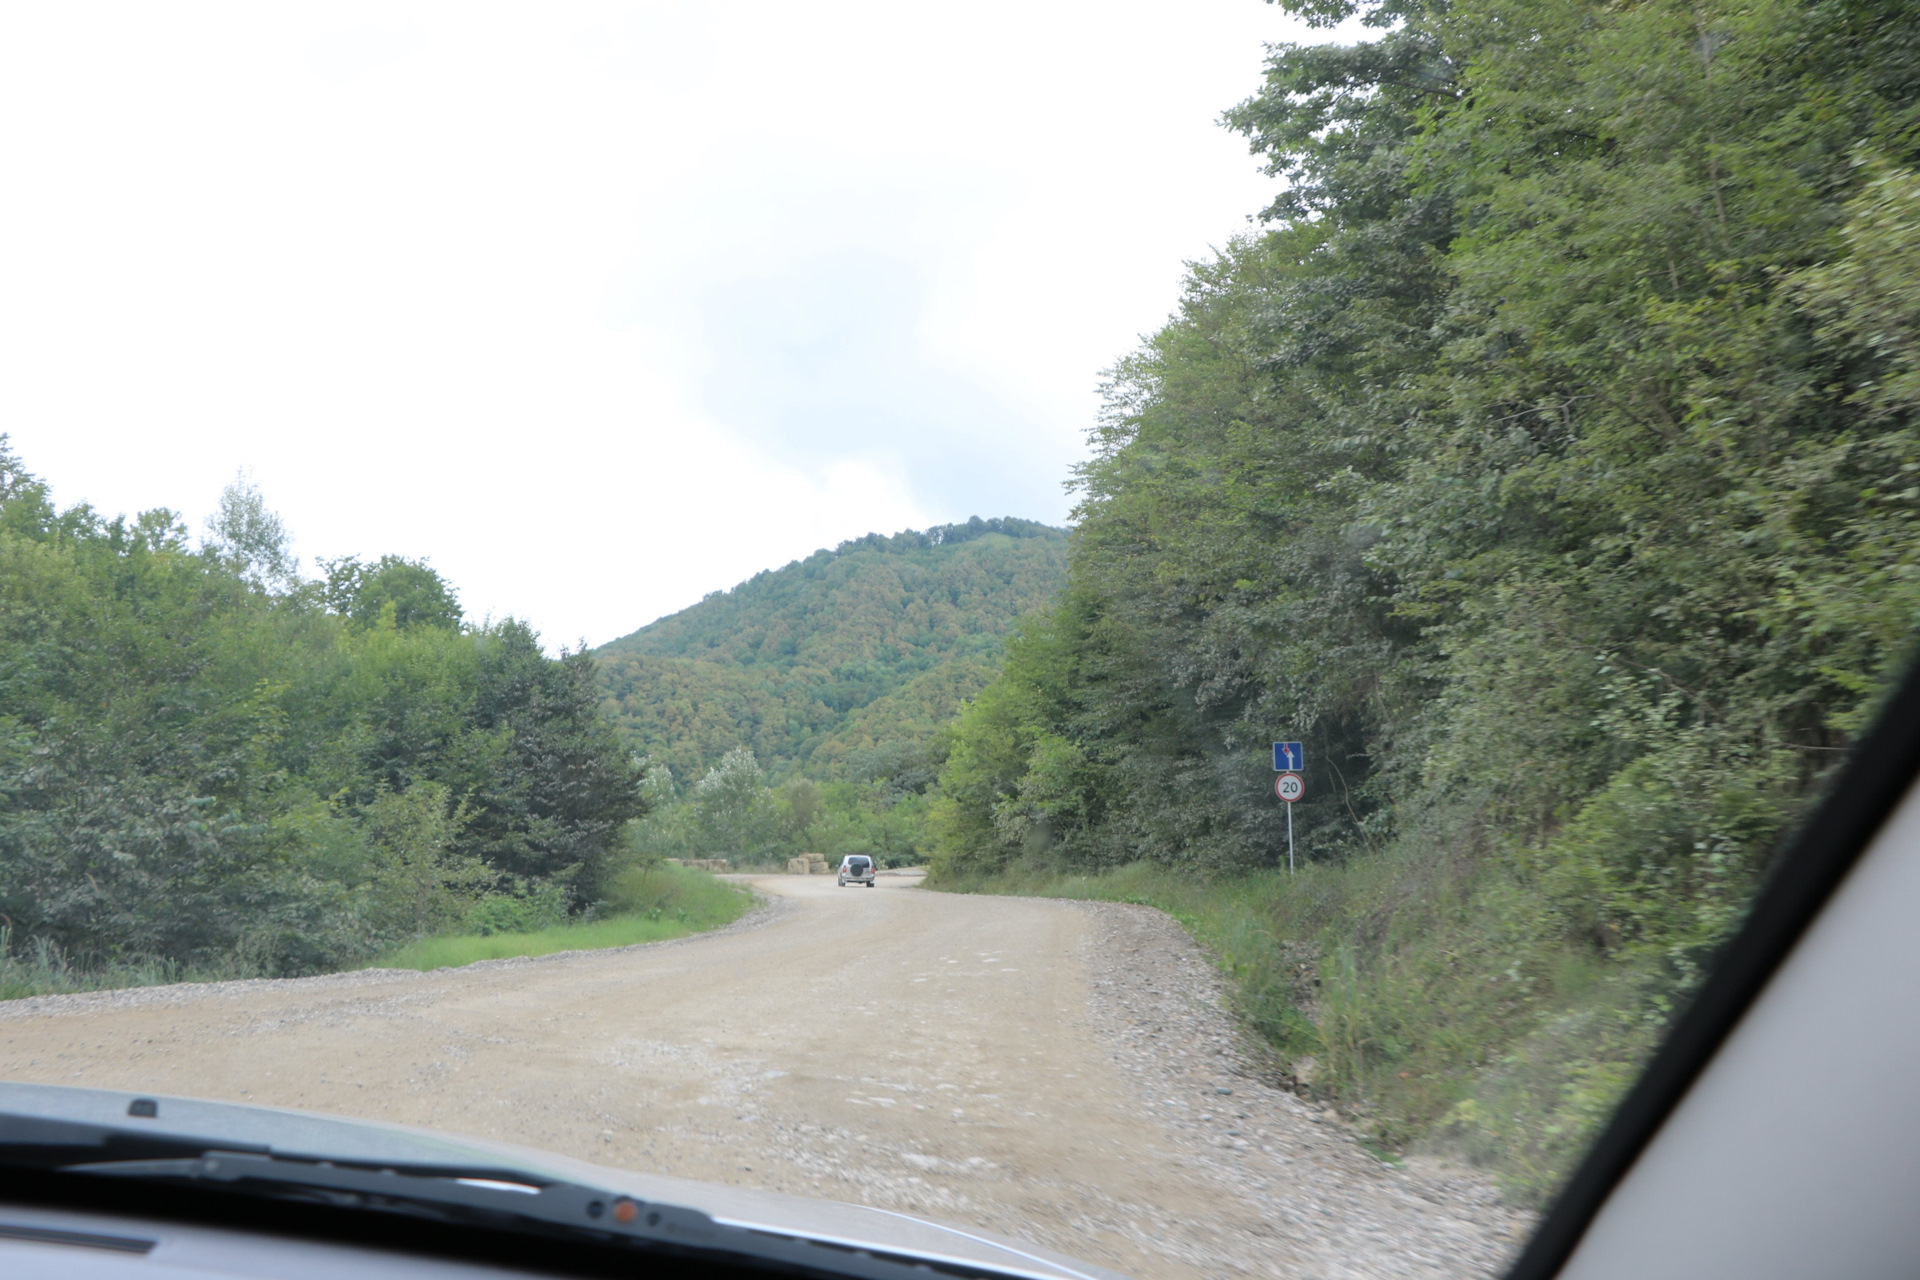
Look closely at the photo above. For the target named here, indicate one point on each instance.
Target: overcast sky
(599, 307)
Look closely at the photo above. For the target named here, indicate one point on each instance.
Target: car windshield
(1324, 547)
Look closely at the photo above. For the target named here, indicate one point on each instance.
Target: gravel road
(1055, 1071)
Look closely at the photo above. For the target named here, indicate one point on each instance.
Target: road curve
(932, 1053)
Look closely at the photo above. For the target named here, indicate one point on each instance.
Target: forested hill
(838, 665)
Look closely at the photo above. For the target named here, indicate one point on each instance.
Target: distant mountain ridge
(838, 665)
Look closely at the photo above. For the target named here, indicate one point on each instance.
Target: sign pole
(1289, 839)
(1288, 759)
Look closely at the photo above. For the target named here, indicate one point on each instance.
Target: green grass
(42, 969)
(648, 904)
(458, 949)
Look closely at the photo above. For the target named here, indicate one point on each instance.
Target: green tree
(799, 807)
(421, 882)
(1546, 465)
(735, 810)
(407, 591)
(205, 763)
(251, 538)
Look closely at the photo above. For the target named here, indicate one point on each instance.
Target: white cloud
(599, 306)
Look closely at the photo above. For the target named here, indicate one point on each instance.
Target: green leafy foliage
(834, 664)
(645, 904)
(208, 765)
(731, 813)
(408, 593)
(732, 806)
(1549, 467)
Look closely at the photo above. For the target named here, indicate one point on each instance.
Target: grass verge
(648, 904)
(44, 970)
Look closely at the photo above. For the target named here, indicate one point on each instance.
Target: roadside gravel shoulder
(1159, 1005)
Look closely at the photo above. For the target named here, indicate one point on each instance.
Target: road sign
(1289, 757)
(1289, 787)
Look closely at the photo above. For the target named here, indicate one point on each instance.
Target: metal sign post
(1289, 787)
(1288, 759)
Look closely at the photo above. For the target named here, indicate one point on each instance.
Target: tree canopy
(206, 761)
(1547, 465)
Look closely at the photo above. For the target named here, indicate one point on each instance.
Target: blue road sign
(1288, 757)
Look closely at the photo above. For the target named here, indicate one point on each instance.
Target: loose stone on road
(1042, 1069)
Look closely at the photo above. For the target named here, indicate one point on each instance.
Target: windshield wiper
(449, 1192)
(494, 1197)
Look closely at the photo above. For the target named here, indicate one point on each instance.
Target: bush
(648, 903)
(665, 891)
(537, 906)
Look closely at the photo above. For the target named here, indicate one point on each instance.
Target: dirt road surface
(1052, 1071)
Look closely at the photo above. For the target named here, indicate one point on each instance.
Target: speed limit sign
(1289, 787)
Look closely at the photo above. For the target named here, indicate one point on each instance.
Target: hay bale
(798, 866)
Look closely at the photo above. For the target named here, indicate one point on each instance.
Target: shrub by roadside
(646, 903)
(43, 968)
